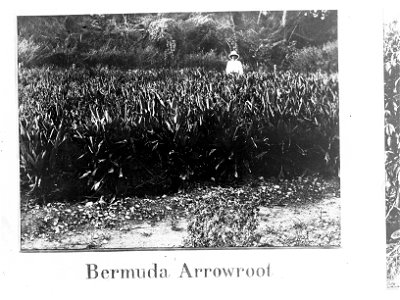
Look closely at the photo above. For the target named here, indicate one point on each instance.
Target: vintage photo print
(392, 145)
(182, 130)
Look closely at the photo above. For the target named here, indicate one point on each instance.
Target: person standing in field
(234, 66)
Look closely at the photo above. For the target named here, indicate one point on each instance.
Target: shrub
(209, 61)
(27, 50)
(313, 59)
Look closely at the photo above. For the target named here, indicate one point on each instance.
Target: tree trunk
(233, 25)
(283, 25)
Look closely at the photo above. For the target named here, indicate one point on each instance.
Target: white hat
(233, 53)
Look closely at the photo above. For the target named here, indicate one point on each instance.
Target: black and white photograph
(221, 150)
(392, 145)
(179, 130)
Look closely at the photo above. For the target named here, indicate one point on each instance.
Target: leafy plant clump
(220, 222)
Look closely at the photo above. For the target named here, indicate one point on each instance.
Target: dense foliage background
(300, 40)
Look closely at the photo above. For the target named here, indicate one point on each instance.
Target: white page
(357, 269)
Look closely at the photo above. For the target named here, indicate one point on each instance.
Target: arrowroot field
(178, 158)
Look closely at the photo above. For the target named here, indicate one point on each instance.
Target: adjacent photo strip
(392, 145)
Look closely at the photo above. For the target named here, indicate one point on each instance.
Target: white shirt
(234, 66)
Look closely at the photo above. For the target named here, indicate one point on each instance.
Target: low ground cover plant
(220, 222)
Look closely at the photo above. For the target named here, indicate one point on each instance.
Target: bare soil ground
(292, 216)
(313, 224)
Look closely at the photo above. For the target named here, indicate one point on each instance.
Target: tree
(171, 38)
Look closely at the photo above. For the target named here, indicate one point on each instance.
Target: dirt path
(166, 233)
(313, 224)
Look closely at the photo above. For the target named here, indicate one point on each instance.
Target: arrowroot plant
(219, 222)
(40, 141)
(153, 131)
